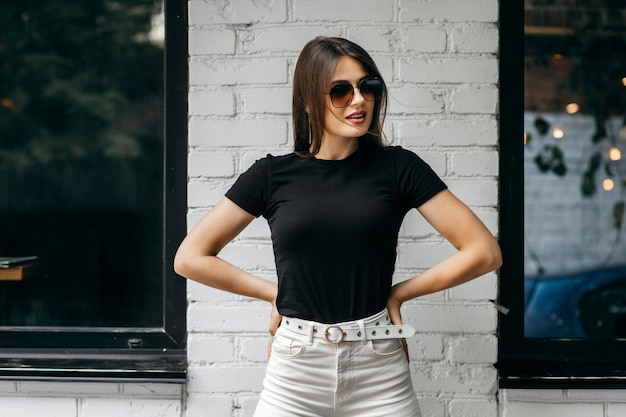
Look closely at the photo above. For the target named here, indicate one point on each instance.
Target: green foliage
(588, 186)
(542, 125)
(80, 88)
(598, 63)
(550, 159)
(618, 215)
(68, 70)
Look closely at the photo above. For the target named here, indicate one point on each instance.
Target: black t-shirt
(334, 225)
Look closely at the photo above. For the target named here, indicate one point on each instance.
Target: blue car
(581, 305)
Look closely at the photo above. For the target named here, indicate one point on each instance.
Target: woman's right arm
(197, 259)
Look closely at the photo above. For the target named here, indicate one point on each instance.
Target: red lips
(357, 116)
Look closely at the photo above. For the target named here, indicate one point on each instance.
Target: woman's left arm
(478, 251)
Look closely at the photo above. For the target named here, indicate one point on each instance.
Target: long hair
(312, 76)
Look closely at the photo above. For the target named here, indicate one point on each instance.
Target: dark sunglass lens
(371, 88)
(339, 94)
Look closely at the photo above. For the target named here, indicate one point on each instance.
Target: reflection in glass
(574, 176)
(81, 151)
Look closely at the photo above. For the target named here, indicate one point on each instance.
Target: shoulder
(394, 157)
(409, 163)
(269, 161)
(283, 158)
(400, 152)
(401, 156)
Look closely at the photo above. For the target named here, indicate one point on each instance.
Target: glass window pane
(81, 163)
(574, 170)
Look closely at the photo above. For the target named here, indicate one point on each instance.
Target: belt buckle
(327, 334)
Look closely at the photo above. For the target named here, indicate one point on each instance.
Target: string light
(608, 184)
(572, 108)
(615, 154)
(558, 133)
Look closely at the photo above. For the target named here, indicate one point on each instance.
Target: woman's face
(354, 120)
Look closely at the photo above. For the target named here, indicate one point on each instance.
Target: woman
(334, 208)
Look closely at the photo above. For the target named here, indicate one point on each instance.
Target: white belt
(379, 327)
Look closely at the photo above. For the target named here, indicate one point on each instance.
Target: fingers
(275, 319)
(269, 348)
(393, 308)
(274, 324)
(405, 346)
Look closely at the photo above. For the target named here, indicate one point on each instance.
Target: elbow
(487, 256)
(494, 256)
(181, 264)
(190, 264)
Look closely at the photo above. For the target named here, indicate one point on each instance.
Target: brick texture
(439, 60)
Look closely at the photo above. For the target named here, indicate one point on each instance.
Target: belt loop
(310, 333)
(361, 324)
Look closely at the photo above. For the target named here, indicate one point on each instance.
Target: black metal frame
(127, 353)
(533, 363)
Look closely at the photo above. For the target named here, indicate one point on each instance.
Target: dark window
(563, 194)
(93, 188)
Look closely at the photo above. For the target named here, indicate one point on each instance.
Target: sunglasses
(342, 94)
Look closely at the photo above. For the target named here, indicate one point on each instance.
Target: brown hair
(314, 70)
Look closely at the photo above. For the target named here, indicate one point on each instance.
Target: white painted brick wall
(439, 60)
(565, 230)
(73, 399)
(562, 403)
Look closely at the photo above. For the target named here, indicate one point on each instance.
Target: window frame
(137, 353)
(524, 362)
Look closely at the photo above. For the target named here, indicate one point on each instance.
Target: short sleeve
(417, 181)
(251, 189)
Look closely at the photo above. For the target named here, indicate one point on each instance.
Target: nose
(357, 97)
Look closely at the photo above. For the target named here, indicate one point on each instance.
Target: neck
(337, 149)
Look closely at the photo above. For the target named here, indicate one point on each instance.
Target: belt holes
(373, 332)
(344, 334)
(377, 323)
(400, 331)
(299, 327)
(314, 330)
(387, 331)
(359, 334)
(287, 322)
